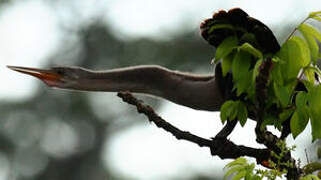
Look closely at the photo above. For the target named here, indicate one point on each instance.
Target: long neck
(198, 92)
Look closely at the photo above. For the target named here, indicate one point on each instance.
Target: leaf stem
(296, 28)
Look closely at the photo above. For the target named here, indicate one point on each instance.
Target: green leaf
(277, 75)
(228, 111)
(243, 84)
(283, 93)
(239, 161)
(313, 45)
(309, 74)
(241, 64)
(314, 100)
(220, 26)
(284, 96)
(304, 50)
(251, 89)
(316, 69)
(308, 85)
(314, 14)
(242, 113)
(309, 177)
(256, 69)
(227, 63)
(224, 111)
(249, 172)
(296, 55)
(286, 114)
(297, 124)
(233, 113)
(249, 38)
(276, 59)
(312, 167)
(225, 47)
(252, 50)
(301, 100)
(311, 31)
(233, 170)
(269, 119)
(239, 175)
(316, 18)
(240, 71)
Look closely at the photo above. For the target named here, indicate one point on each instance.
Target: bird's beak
(47, 76)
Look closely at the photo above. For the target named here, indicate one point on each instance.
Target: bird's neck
(198, 92)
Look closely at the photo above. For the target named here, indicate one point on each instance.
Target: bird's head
(60, 77)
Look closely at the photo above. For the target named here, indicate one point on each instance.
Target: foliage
(278, 163)
(233, 109)
(310, 177)
(240, 168)
(311, 168)
(293, 64)
(293, 93)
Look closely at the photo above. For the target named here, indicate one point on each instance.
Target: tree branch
(219, 145)
(262, 135)
(227, 129)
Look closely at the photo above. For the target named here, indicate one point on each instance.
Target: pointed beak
(47, 76)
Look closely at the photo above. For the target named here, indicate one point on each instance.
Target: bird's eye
(60, 71)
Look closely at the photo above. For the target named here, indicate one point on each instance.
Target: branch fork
(220, 145)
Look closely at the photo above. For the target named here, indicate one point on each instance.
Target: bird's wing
(237, 22)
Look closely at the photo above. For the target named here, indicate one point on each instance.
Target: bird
(200, 92)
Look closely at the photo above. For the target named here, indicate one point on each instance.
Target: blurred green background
(49, 134)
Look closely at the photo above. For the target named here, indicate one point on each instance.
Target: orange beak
(47, 76)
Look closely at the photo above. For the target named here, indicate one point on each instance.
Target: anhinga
(201, 92)
(195, 91)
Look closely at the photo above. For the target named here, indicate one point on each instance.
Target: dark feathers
(237, 22)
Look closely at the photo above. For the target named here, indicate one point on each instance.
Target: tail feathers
(237, 22)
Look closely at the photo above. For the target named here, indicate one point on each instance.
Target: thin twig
(307, 156)
(295, 29)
